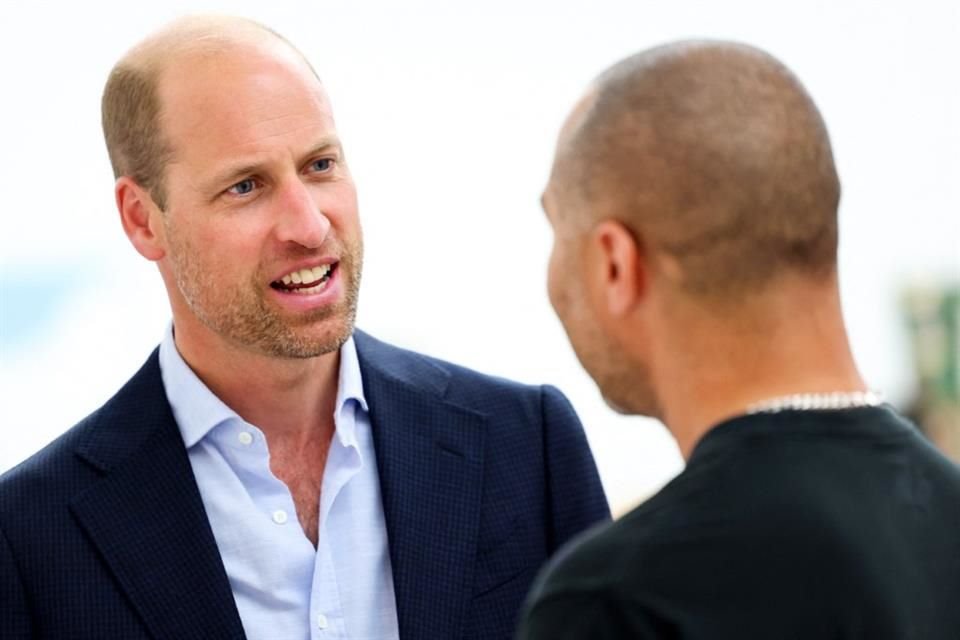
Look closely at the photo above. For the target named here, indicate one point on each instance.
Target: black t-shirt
(799, 524)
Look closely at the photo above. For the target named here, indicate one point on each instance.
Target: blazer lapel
(146, 517)
(430, 460)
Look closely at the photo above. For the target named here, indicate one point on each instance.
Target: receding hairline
(200, 34)
(132, 109)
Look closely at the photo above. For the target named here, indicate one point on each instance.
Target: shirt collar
(349, 387)
(197, 410)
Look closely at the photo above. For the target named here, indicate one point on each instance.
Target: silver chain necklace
(817, 402)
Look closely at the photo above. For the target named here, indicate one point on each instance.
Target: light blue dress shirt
(283, 587)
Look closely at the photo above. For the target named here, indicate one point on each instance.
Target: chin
(319, 343)
(628, 394)
(312, 340)
(617, 406)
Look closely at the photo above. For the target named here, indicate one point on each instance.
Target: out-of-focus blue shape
(30, 301)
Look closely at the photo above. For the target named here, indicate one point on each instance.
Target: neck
(791, 342)
(288, 398)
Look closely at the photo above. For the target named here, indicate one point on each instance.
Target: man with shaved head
(270, 472)
(693, 200)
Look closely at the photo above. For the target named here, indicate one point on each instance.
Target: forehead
(241, 97)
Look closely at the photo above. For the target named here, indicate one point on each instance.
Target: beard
(627, 389)
(240, 312)
(624, 383)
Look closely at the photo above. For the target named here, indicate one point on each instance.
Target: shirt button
(322, 622)
(280, 516)
(245, 437)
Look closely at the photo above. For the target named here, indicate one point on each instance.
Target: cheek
(563, 283)
(555, 278)
(230, 249)
(339, 203)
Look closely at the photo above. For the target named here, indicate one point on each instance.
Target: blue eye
(243, 187)
(322, 164)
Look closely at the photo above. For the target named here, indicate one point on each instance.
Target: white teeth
(317, 288)
(306, 276)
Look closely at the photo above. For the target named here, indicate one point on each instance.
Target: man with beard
(694, 200)
(270, 472)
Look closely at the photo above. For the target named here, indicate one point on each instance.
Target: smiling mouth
(306, 281)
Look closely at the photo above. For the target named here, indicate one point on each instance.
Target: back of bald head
(131, 109)
(715, 156)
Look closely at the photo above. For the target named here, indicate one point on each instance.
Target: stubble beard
(242, 316)
(625, 386)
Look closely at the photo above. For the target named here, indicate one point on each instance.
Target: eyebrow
(234, 173)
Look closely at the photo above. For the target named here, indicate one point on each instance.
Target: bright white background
(449, 111)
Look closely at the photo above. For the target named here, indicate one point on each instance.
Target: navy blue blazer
(103, 533)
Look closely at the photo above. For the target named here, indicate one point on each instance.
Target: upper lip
(306, 264)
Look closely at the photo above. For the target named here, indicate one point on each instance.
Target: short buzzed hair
(713, 153)
(131, 113)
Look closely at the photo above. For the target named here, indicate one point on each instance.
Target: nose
(300, 219)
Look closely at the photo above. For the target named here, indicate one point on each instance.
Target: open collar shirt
(284, 588)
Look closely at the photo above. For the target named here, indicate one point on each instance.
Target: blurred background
(449, 112)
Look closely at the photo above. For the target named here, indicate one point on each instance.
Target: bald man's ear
(140, 218)
(619, 268)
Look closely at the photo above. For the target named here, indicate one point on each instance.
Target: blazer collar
(430, 460)
(146, 518)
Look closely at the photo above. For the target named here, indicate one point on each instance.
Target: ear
(619, 267)
(140, 218)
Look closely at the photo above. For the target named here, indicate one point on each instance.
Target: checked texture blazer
(103, 533)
